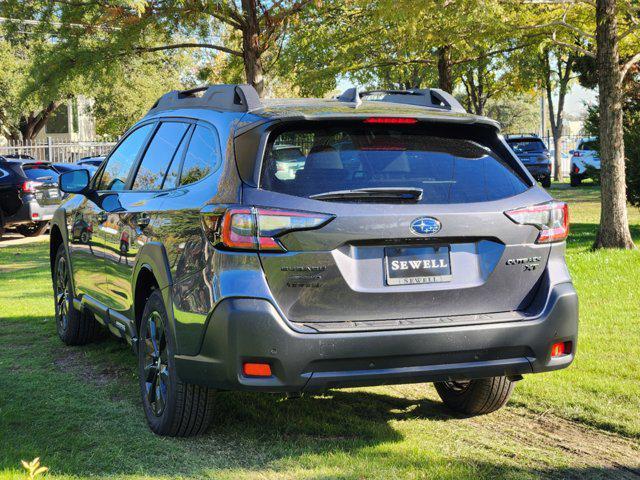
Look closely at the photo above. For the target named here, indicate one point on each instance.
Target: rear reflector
(391, 120)
(560, 349)
(551, 218)
(256, 369)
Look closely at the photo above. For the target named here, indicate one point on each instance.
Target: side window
(116, 171)
(202, 157)
(158, 156)
(173, 175)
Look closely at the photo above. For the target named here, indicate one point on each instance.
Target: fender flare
(153, 258)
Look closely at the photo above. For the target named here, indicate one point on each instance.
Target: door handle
(143, 221)
(102, 217)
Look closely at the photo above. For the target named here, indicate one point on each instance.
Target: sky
(577, 98)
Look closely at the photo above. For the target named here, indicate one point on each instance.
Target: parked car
(288, 159)
(93, 161)
(28, 195)
(430, 256)
(585, 161)
(534, 154)
(64, 167)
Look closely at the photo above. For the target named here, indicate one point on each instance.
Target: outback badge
(425, 226)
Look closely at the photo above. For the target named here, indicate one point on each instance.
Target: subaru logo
(425, 226)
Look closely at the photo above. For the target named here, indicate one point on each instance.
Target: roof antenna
(351, 95)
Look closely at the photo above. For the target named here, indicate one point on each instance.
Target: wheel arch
(152, 272)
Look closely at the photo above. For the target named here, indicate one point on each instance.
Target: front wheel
(475, 397)
(32, 229)
(172, 407)
(576, 180)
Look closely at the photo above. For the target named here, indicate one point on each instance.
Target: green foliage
(631, 125)
(131, 90)
(33, 468)
(516, 114)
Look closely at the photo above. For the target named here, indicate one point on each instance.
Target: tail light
(552, 219)
(30, 187)
(256, 228)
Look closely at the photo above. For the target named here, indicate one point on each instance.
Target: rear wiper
(374, 193)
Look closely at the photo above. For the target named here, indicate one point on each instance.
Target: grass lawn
(78, 408)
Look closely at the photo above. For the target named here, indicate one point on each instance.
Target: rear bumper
(539, 171)
(30, 212)
(251, 330)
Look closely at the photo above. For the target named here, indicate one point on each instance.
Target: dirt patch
(587, 448)
(76, 362)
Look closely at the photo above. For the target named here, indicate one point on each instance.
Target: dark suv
(29, 194)
(411, 245)
(533, 153)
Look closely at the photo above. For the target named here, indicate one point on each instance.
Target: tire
(32, 229)
(546, 182)
(173, 408)
(476, 397)
(84, 237)
(74, 327)
(576, 180)
(2, 229)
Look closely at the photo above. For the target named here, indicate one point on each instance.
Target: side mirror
(74, 181)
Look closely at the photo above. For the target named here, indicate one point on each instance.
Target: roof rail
(425, 97)
(231, 98)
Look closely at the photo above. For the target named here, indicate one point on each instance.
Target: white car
(585, 161)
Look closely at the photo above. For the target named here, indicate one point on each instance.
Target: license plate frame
(417, 265)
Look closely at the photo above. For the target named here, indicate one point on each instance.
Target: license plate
(413, 265)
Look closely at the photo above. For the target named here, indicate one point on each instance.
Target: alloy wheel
(156, 365)
(63, 294)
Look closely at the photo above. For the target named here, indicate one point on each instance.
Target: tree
(99, 30)
(24, 110)
(614, 226)
(605, 28)
(391, 43)
(556, 67)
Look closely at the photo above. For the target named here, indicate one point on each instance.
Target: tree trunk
(251, 51)
(557, 154)
(445, 75)
(33, 123)
(614, 227)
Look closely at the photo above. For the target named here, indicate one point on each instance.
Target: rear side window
(202, 157)
(159, 155)
(40, 173)
(589, 145)
(447, 169)
(527, 145)
(120, 162)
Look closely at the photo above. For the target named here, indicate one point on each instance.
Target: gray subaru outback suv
(408, 244)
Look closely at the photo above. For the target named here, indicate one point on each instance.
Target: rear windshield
(446, 169)
(40, 173)
(526, 145)
(588, 145)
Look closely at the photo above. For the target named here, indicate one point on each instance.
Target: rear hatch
(43, 182)
(530, 151)
(416, 227)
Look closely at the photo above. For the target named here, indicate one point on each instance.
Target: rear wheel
(32, 229)
(546, 182)
(576, 180)
(476, 397)
(172, 407)
(74, 327)
(2, 230)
